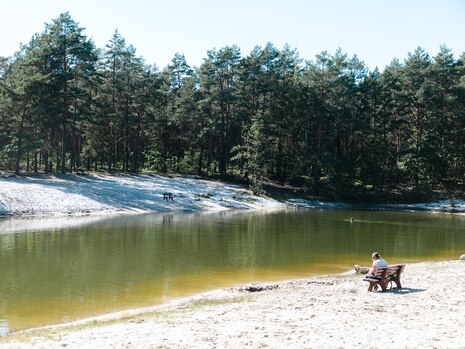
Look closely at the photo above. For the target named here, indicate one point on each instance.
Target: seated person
(378, 262)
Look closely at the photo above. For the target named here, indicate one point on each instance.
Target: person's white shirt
(377, 263)
(380, 263)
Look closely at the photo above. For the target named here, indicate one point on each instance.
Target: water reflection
(46, 223)
(104, 264)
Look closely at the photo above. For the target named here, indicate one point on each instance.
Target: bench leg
(371, 286)
(396, 280)
(374, 286)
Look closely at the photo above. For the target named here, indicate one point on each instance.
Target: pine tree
(66, 60)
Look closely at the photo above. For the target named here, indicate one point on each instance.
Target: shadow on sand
(404, 290)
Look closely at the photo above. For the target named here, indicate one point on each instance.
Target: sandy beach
(333, 311)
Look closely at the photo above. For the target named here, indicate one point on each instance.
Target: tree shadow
(143, 192)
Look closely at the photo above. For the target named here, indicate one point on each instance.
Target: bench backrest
(394, 269)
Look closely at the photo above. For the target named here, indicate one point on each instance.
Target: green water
(52, 275)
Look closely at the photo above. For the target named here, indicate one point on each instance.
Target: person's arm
(373, 269)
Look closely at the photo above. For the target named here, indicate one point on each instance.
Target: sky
(375, 30)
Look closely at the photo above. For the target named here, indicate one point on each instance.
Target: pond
(63, 269)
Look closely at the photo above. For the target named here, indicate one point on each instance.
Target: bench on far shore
(385, 276)
(168, 196)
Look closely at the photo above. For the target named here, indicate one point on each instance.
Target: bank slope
(72, 194)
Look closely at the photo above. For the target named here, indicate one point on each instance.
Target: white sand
(320, 312)
(103, 193)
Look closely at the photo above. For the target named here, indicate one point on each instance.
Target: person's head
(375, 256)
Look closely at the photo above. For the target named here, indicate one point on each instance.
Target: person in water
(378, 262)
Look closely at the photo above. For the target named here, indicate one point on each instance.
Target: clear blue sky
(376, 30)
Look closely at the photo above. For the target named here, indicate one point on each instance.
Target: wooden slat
(396, 268)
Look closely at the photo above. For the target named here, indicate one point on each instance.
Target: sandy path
(321, 312)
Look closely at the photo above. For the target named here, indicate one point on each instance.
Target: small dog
(361, 270)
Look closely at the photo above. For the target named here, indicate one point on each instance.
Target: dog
(361, 270)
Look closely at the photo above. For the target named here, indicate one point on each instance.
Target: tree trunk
(63, 152)
(27, 161)
(20, 144)
(199, 165)
(110, 151)
(35, 162)
(279, 159)
(46, 155)
(72, 157)
(47, 168)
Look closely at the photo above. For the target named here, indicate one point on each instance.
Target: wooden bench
(168, 196)
(386, 276)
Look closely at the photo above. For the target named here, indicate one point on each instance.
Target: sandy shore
(334, 311)
(116, 194)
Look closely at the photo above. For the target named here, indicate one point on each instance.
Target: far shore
(317, 312)
(102, 193)
(116, 194)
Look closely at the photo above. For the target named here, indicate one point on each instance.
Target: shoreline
(319, 312)
(96, 194)
(119, 194)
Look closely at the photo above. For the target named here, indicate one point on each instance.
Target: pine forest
(67, 106)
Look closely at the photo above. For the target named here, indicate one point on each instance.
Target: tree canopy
(68, 106)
